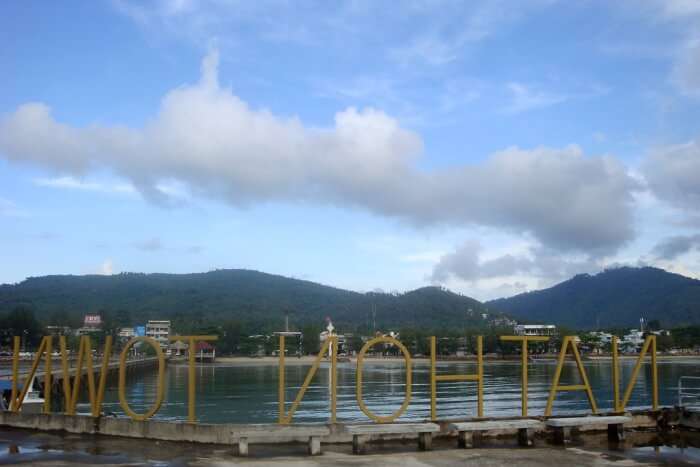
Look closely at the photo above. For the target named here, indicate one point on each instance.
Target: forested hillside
(613, 298)
(258, 299)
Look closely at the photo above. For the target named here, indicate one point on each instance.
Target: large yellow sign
(330, 348)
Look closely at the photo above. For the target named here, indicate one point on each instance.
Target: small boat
(33, 400)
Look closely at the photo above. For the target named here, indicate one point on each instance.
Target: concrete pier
(228, 433)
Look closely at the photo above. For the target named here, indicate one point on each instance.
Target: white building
(535, 330)
(633, 341)
(127, 333)
(91, 323)
(603, 337)
(160, 331)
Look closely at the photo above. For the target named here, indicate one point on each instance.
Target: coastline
(309, 359)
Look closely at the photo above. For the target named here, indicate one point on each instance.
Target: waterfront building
(602, 337)
(160, 331)
(178, 348)
(59, 331)
(535, 330)
(204, 351)
(127, 333)
(92, 322)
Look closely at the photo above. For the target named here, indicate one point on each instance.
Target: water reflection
(242, 394)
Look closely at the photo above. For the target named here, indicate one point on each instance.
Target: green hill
(256, 298)
(613, 298)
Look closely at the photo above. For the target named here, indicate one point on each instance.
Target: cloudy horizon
(489, 148)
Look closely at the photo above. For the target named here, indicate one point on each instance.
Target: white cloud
(672, 247)
(432, 256)
(433, 51)
(151, 244)
(106, 268)
(72, 183)
(526, 98)
(9, 208)
(673, 175)
(686, 71)
(468, 263)
(680, 8)
(207, 141)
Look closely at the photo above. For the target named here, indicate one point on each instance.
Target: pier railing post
(524, 340)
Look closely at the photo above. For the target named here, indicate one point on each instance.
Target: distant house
(127, 333)
(92, 322)
(204, 351)
(58, 330)
(535, 330)
(160, 331)
(178, 348)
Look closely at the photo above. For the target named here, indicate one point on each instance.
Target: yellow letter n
(85, 359)
(649, 342)
(330, 345)
(44, 349)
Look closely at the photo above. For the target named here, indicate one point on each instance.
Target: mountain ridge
(242, 294)
(614, 297)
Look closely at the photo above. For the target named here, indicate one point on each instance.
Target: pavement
(25, 447)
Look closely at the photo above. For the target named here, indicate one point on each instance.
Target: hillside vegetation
(613, 298)
(258, 299)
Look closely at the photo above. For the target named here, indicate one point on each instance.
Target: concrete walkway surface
(26, 447)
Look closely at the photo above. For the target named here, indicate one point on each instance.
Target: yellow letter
(478, 377)
(620, 407)
(85, 357)
(191, 373)
(44, 347)
(332, 344)
(523, 354)
(576, 387)
(122, 378)
(358, 379)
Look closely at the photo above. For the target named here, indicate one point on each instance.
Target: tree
(312, 341)
(21, 322)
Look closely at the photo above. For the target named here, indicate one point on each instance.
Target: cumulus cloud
(208, 142)
(672, 247)
(673, 175)
(466, 263)
(106, 268)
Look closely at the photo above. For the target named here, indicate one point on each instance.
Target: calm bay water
(235, 393)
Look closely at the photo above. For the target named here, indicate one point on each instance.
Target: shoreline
(309, 359)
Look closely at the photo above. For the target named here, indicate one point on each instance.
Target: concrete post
(616, 432)
(314, 445)
(562, 435)
(526, 437)
(425, 441)
(358, 444)
(464, 439)
(243, 447)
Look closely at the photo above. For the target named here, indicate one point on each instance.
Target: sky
(490, 147)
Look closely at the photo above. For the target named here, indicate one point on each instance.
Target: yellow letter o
(358, 379)
(160, 389)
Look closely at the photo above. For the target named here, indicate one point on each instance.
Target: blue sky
(491, 147)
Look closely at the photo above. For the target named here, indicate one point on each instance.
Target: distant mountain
(612, 298)
(251, 296)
